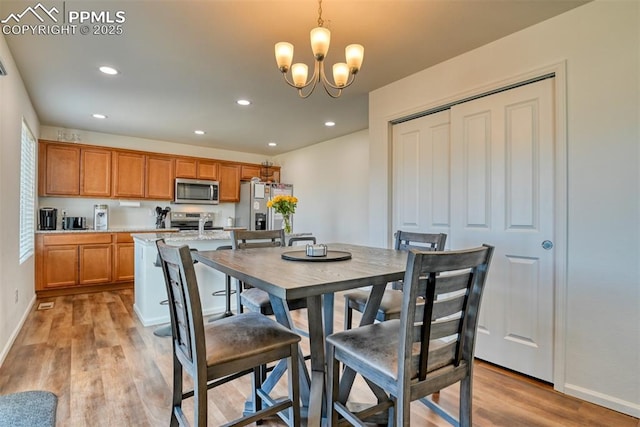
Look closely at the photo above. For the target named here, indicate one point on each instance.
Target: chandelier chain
(320, 20)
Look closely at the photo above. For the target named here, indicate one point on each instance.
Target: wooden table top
(264, 268)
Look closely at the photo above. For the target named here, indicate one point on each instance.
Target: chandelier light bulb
(284, 56)
(340, 74)
(299, 74)
(320, 40)
(354, 54)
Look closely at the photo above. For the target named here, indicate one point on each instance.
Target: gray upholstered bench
(28, 409)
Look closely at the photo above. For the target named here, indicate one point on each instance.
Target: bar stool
(227, 292)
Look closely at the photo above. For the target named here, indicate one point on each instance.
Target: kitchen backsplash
(123, 215)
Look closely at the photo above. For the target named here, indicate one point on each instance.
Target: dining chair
(216, 353)
(429, 347)
(255, 299)
(391, 303)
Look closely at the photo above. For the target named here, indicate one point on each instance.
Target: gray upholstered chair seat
(377, 346)
(258, 300)
(390, 306)
(244, 336)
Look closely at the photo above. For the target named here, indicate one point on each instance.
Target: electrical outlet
(16, 296)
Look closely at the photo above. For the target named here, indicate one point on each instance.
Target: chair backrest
(245, 239)
(443, 325)
(406, 240)
(185, 309)
(304, 239)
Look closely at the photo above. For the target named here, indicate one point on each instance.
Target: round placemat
(302, 256)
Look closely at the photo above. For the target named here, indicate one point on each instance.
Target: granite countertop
(182, 236)
(110, 230)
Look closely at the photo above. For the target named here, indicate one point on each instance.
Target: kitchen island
(150, 289)
(149, 286)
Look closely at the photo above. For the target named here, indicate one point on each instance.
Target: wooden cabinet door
(95, 264)
(249, 171)
(62, 170)
(60, 266)
(229, 183)
(276, 175)
(128, 174)
(123, 270)
(95, 172)
(159, 178)
(186, 168)
(207, 170)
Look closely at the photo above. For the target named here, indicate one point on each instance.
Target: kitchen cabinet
(79, 262)
(73, 260)
(159, 178)
(95, 172)
(128, 174)
(61, 172)
(123, 258)
(196, 168)
(95, 264)
(249, 171)
(76, 170)
(229, 182)
(60, 266)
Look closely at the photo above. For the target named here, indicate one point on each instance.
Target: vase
(286, 219)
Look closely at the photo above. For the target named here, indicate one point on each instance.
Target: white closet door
(421, 174)
(502, 192)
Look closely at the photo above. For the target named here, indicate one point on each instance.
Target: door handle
(547, 245)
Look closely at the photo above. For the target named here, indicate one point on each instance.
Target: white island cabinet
(149, 286)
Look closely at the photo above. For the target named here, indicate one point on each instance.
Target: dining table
(287, 273)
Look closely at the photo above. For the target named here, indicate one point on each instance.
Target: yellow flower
(285, 205)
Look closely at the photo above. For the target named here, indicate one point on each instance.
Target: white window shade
(27, 192)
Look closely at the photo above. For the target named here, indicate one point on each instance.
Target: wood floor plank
(107, 370)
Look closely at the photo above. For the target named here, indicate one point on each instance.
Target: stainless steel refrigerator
(252, 211)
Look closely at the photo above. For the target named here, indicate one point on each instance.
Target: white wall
(14, 105)
(600, 42)
(330, 180)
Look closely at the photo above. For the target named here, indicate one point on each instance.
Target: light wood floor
(109, 370)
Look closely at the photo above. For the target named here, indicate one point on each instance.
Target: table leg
(316, 342)
(368, 317)
(283, 316)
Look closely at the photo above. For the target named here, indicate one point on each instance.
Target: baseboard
(153, 321)
(16, 331)
(614, 403)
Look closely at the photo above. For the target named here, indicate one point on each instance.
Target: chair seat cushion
(257, 300)
(390, 306)
(243, 336)
(376, 347)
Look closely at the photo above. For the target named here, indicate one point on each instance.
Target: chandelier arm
(317, 73)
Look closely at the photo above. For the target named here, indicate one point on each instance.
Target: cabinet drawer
(77, 239)
(123, 238)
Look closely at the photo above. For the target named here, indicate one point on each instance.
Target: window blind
(27, 192)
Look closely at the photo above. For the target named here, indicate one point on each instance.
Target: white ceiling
(183, 64)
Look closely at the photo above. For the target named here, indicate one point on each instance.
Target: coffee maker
(48, 218)
(100, 217)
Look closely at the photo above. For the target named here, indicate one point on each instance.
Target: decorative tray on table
(316, 253)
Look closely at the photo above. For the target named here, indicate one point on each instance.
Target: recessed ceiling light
(98, 116)
(108, 70)
(329, 124)
(243, 102)
(272, 144)
(199, 132)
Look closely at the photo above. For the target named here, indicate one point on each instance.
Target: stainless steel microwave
(197, 191)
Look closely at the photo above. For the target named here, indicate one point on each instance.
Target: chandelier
(343, 72)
